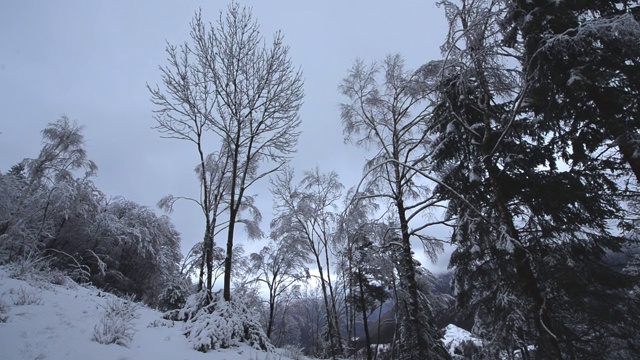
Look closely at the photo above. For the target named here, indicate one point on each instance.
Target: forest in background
(522, 140)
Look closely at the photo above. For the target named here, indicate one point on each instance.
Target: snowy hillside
(39, 320)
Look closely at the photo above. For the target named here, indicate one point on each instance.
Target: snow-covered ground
(39, 320)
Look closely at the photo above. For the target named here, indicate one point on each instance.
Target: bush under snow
(117, 324)
(4, 308)
(220, 324)
(23, 297)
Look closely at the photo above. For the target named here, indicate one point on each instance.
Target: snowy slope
(46, 321)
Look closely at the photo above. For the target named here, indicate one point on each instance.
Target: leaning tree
(307, 217)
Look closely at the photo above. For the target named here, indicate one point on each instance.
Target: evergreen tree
(582, 62)
(526, 218)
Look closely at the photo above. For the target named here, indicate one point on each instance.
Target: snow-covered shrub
(59, 277)
(460, 343)
(36, 268)
(23, 297)
(69, 270)
(292, 352)
(259, 355)
(4, 309)
(192, 305)
(29, 265)
(173, 297)
(116, 325)
(161, 323)
(220, 324)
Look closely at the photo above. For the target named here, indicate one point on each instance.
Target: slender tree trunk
(227, 259)
(207, 241)
(334, 310)
(233, 213)
(330, 325)
(350, 310)
(210, 234)
(202, 269)
(272, 307)
(365, 321)
(44, 216)
(209, 260)
(375, 356)
(396, 324)
(283, 324)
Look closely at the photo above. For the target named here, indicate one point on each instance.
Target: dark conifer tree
(582, 62)
(532, 225)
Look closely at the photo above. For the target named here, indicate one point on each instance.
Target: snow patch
(455, 336)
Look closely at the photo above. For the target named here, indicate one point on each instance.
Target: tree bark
(272, 307)
(334, 312)
(227, 259)
(331, 326)
(416, 347)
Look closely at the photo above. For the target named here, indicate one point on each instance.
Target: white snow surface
(454, 336)
(59, 324)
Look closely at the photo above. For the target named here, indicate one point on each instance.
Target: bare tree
(62, 154)
(181, 114)
(228, 81)
(258, 95)
(307, 215)
(279, 267)
(387, 112)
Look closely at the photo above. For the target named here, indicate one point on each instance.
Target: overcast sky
(91, 60)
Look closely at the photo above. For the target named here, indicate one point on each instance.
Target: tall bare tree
(248, 94)
(258, 95)
(386, 112)
(181, 109)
